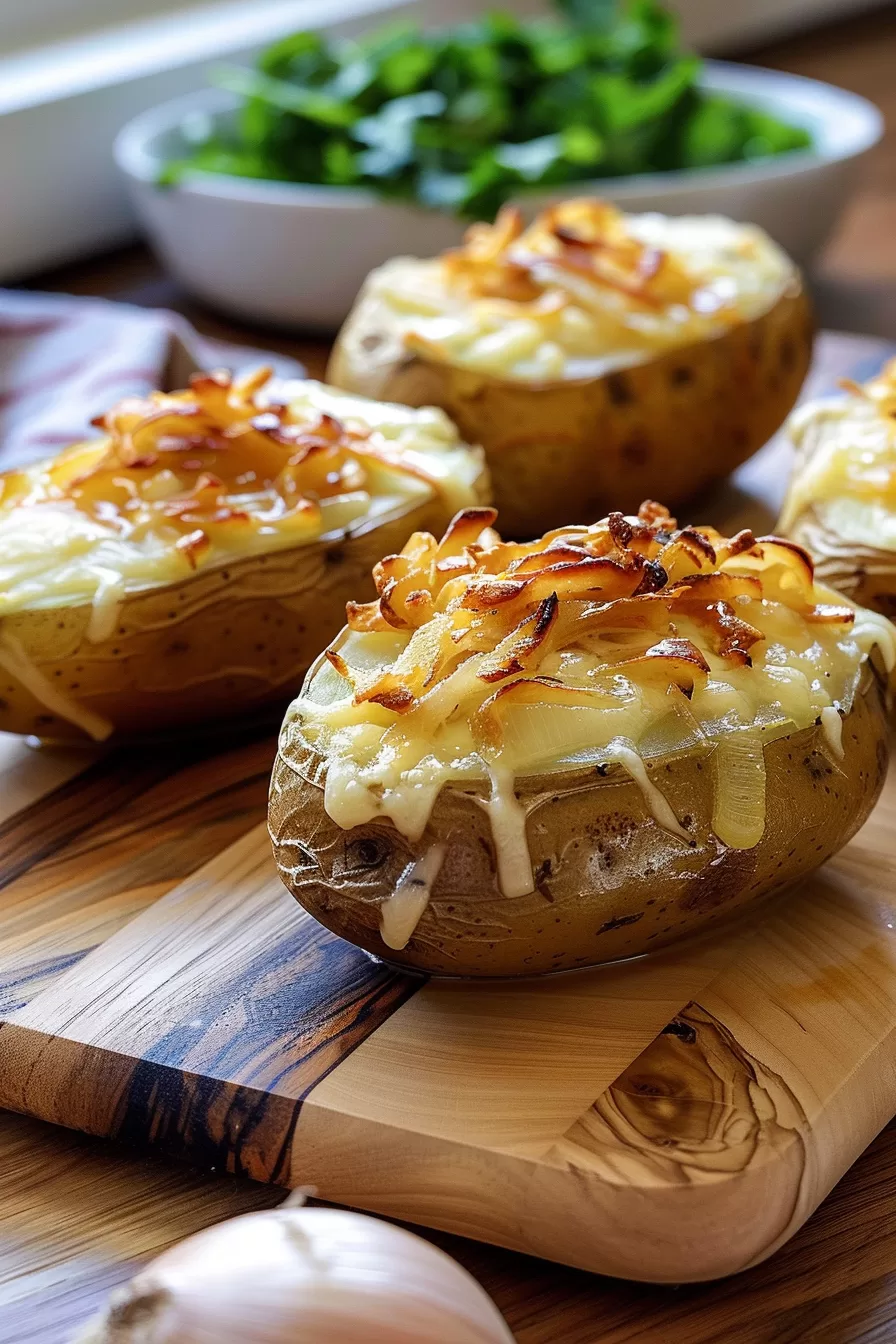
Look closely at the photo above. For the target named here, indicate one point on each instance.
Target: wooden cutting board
(672, 1119)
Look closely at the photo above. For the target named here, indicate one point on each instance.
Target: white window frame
(62, 104)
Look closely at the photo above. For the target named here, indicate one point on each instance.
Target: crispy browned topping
(584, 238)
(219, 422)
(210, 457)
(512, 603)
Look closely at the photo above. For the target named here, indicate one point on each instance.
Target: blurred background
(74, 72)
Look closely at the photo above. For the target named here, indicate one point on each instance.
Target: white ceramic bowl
(296, 255)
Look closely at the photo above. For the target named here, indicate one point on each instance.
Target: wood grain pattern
(202, 1024)
(28, 774)
(78, 1216)
(627, 1120)
(78, 864)
(702, 1155)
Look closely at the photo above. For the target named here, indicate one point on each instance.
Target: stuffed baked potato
(599, 358)
(186, 566)
(841, 504)
(526, 758)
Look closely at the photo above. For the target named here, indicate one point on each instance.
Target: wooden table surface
(78, 1216)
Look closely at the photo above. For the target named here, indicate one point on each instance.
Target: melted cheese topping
(846, 471)
(186, 481)
(583, 291)
(708, 642)
(401, 912)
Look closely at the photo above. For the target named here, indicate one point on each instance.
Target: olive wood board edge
(672, 1119)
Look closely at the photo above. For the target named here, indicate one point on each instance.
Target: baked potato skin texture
(223, 644)
(610, 882)
(866, 574)
(664, 429)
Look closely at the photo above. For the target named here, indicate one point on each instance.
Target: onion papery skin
(301, 1276)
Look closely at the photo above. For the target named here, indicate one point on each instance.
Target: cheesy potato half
(184, 564)
(841, 503)
(612, 354)
(529, 757)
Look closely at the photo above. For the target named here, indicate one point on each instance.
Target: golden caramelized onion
(210, 461)
(551, 294)
(583, 237)
(582, 289)
(509, 604)
(628, 354)
(228, 467)
(189, 562)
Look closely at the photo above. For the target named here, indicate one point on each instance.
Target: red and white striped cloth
(64, 360)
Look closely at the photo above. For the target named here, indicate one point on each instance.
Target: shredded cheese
(16, 662)
(582, 291)
(846, 467)
(508, 822)
(659, 806)
(186, 481)
(401, 912)
(832, 724)
(107, 603)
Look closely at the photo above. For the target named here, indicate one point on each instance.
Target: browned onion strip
(492, 593)
(486, 721)
(214, 440)
(588, 238)
(678, 661)
(336, 660)
(532, 632)
(732, 637)
(366, 617)
(464, 529)
(509, 605)
(716, 588)
(828, 614)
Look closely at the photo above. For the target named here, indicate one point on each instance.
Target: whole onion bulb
(301, 1276)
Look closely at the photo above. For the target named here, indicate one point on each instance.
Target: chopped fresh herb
(466, 117)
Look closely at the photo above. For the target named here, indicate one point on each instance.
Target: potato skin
(866, 574)
(225, 643)
(611, 883)
(664, 429)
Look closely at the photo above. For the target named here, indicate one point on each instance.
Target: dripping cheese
(605, 645)
(401, 912)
